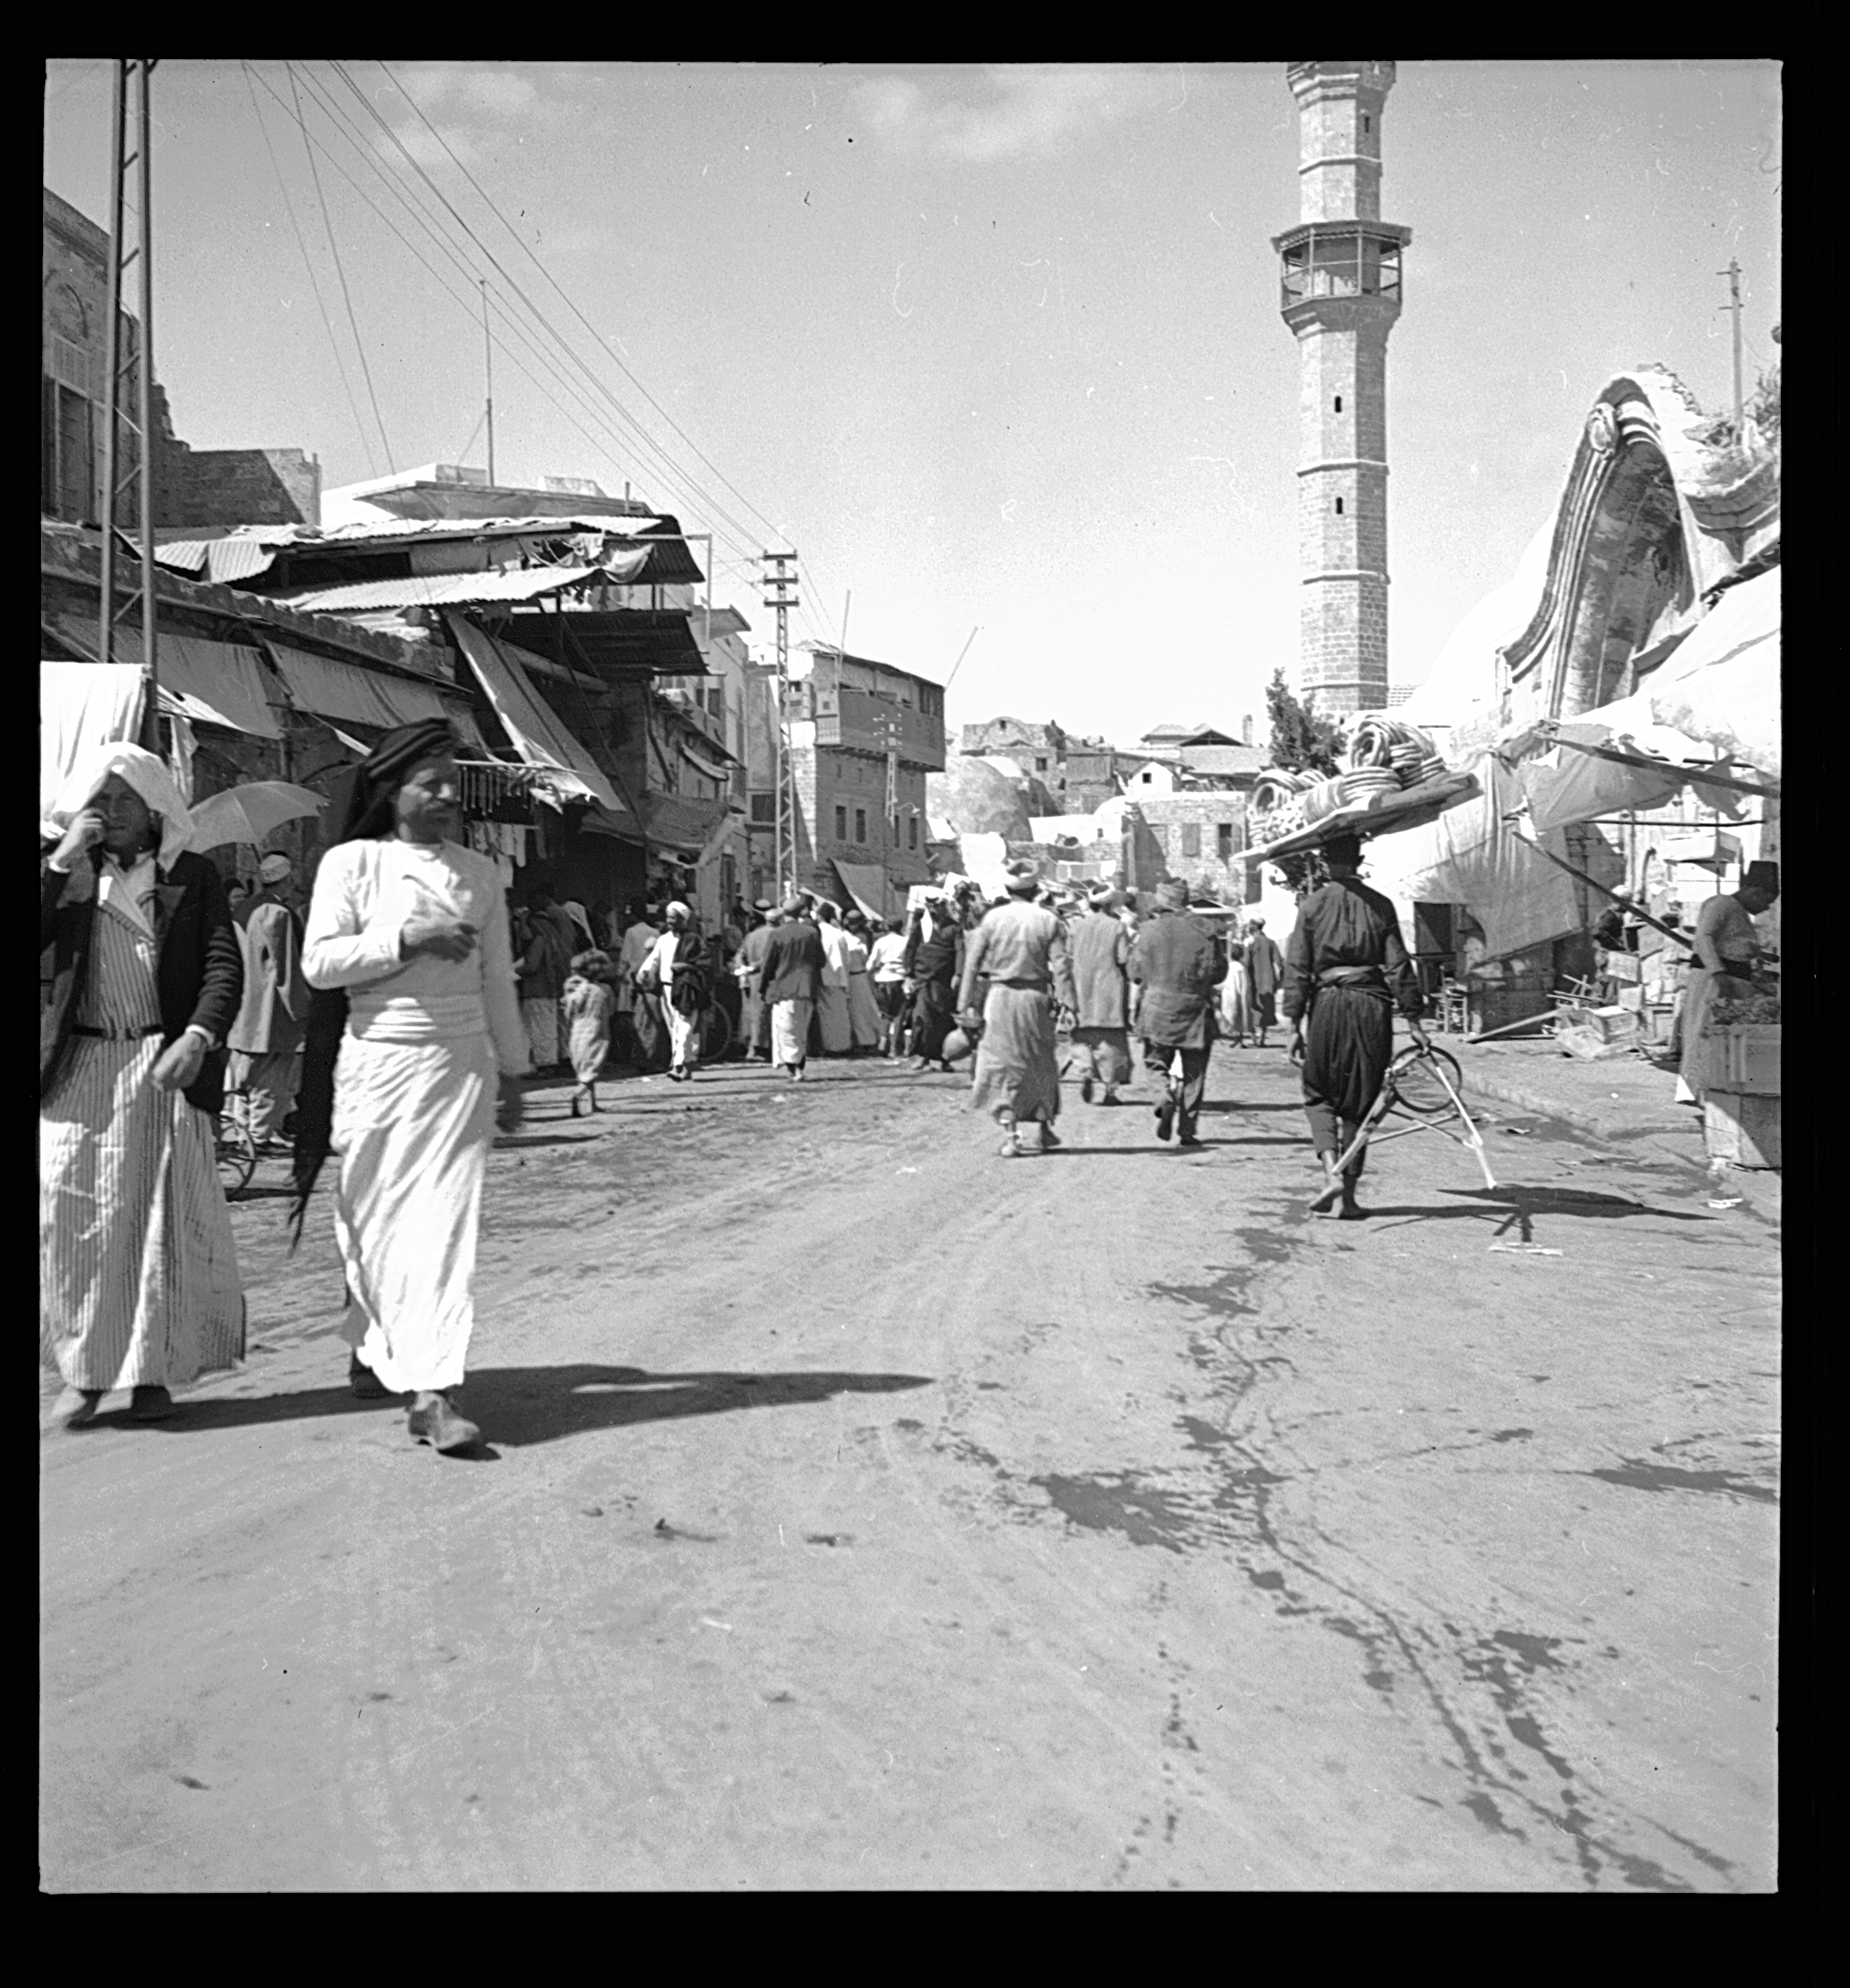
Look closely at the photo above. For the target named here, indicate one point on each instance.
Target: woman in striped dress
(138, 1275)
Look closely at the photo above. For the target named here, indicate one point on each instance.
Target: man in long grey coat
(265, 1040)
(1100, 948)
(1177, 963)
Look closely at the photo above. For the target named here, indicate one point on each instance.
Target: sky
(992, 348)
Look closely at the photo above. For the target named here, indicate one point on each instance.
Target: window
(1364, 121)
(912, 833)
(1191, 838)
(1223, 840)
(842, 824)
(860, 824)
(764, 810)
(1040, 766)
(896, 828)
(1339, 404)
(1339, 507)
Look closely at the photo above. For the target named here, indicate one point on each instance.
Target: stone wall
(236, 486)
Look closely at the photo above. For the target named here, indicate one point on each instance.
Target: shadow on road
(1516, 1207)
(519, 1406)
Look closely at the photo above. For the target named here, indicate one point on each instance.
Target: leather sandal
(441, 1427)
(366, 1385)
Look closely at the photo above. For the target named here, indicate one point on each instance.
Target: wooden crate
(1744, 1059)
(1742, 1128)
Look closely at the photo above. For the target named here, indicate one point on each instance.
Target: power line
(443, 242)
(602, 346)
(570, 350)
(340, 270)
(288, 207)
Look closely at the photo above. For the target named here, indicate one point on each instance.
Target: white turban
(143, 772)
(677, 906)
(274, 867)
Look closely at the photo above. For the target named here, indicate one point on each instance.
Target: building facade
(1341, 294)
(863, 737)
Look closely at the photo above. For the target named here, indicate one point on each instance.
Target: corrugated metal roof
(447, 589)
(223, 561)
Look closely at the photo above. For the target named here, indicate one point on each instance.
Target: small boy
(587, 1004)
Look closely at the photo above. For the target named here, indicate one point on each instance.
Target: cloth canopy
(1472, 856)
(1721, 683)
(866, 884)
(337, 690)
(81, 705)
(211, 683)
(541, 740)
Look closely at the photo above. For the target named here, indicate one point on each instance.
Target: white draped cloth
(832, 1013)
(414, 1091)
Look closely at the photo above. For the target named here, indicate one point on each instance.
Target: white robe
(415, 1091)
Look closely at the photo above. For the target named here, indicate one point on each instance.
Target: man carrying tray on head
(1346, 968)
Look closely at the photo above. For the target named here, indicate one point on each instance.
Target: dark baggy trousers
(1348, 1042)
(1188, 1089)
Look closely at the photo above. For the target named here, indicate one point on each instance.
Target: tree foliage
(1302, 741)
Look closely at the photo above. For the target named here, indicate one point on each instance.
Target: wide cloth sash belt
(115, 1035)
(1351, 976)
(1038, 986)
(1737, 969)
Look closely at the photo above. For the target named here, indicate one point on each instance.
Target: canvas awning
(212, 683)
(704, 761)
(81, 704)
(455, 590)
(866, 884)
(331, 690)
(673, 822)
(541, 740)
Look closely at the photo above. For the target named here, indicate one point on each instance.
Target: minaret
(1340, 266)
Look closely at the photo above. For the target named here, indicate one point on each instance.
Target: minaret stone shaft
(1341, 269)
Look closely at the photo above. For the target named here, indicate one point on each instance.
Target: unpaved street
(864, 1510)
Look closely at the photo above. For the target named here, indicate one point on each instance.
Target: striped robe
(138, 1272)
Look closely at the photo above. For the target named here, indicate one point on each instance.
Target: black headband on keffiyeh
(369, 814)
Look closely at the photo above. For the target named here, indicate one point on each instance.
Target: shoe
(151, 1405)
(1165, 1118)
(796, 1072)
(441, 1427)
(1188, 1139)
(366, 1385)
(1048, 1137)
(73, 1408)
(578, 1104)
(1110, 1097)
(1085, 1090)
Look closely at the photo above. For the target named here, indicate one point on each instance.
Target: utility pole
(1732, 272)
(117, 417)
(487, 360)
(780, 583)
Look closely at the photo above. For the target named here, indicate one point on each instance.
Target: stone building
(864, 735)
(1341, 269)
(192, 487)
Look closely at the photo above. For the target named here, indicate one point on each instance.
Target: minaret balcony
(1322, 261)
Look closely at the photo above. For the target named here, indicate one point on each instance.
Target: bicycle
(1425, 1083)
(236, 1152)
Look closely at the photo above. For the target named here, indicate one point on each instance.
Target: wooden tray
(1380, 814)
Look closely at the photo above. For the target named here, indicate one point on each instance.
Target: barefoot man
(1346, 968)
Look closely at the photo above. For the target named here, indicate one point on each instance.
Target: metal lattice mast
(780, 583)
(131, 78)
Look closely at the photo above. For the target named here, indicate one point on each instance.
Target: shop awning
(705, 761)
(541, 740)
(337, 690)
(866, 884)
(1720, 685)
(457, 590)
(673, 822)
(212, 683)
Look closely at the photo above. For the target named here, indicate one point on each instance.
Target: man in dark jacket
(266, 1038)
(138, 1277)
(1176, 963)
(791, 974)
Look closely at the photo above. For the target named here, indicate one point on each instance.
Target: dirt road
(863, 1509)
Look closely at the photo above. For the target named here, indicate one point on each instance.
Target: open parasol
(251, 813)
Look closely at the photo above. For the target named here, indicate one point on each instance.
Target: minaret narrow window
(1339, 507)
(1339, 404)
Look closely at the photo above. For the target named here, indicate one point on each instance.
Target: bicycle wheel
(1414, 1074)
(715, 1033)
(237, 1154)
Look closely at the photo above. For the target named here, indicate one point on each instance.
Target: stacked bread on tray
(1386, 755)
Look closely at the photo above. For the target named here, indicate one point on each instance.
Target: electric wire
(469, 274)
(709, 501)
(602, 344)
(340, 270)
(288, 207)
